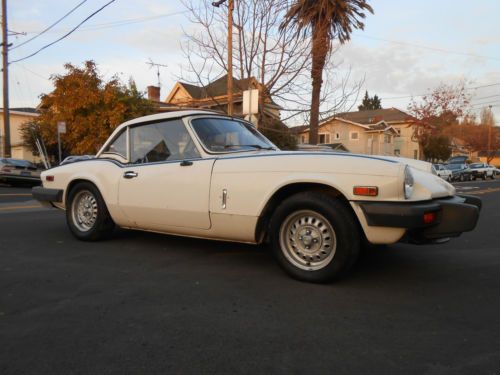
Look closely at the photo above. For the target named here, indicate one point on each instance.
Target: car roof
(167, 116)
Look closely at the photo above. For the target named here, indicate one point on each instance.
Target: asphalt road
(147, 303)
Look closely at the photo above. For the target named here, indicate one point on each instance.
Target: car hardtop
(144, 120)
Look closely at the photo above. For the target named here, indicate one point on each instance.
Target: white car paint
(222, 196)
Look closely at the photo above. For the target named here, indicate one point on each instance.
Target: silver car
(18, 171)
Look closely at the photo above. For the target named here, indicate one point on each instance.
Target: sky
(406, 49)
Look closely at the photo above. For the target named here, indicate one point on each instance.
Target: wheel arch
(288, 190)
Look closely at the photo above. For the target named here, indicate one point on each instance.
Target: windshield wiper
(259, 147)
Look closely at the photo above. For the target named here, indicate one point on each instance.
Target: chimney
(154, 93)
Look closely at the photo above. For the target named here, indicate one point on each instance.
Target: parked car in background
(200, 174)
(73, 158)
(18, 171)
(443, 172)
(457, 160)
(460, 172)
(482, 170)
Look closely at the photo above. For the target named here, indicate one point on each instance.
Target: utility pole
(229, 53)
(5, 71)
(490, 125)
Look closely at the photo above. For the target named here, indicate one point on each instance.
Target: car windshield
(20, 163)
(454, 167)
(222, 135)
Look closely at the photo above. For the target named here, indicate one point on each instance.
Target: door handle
(186, 163)
(130, 174)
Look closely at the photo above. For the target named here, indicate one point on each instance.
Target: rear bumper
(7, 177)
(454, 215)
(47, 195)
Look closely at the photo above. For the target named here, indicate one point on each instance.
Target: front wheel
(314, 237)
(86, 213)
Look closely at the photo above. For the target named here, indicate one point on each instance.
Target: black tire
(345, 239)
(96, 228)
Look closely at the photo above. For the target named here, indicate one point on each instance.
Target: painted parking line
(13, 208)
(15, 195)
(485, 191)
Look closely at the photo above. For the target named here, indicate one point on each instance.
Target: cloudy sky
(407, 47)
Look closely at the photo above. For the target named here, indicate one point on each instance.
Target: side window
(119, 146)
(162, 141)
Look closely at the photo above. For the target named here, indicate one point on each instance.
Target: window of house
(337, 135)
(354, 136)
(303, 139)
(415, 154)
(324, 138)
(387, 138)
(162, 141)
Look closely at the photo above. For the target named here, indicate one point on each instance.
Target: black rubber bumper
(47, 195)
(454, 216)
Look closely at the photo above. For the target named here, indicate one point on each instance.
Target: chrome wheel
(307, 240)
(84, 210)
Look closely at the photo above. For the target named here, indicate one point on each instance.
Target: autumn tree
(484, 136)
(370, 103)
(438, 148)
(436, 111)
(90, 106)
(323, 21)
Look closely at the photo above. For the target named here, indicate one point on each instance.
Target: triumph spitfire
(202, 174)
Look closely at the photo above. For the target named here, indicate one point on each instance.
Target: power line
(427, 47)
(486, 97)
(50, 27)
(65, 35)
(129, 21)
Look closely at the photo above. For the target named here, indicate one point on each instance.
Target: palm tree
(324, 21)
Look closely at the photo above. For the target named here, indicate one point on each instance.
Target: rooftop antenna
(152, 64)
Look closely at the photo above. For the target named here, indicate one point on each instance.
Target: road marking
(19, 207)
(15, 195)
(485, 191)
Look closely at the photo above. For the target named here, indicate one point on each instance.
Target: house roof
(376, 115)
(218, 87)
(23, 111)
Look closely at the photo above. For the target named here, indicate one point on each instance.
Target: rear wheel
(86, 213)
(314, 237)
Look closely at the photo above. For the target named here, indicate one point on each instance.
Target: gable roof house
(214, 96)
(375, 132)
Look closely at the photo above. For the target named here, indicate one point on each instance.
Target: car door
(167, 183)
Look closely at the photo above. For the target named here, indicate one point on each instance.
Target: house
(386, 131)
(213, 96)
(18, 116)
(483, 157)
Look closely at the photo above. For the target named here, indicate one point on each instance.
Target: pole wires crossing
(65, 35)
(50, 27)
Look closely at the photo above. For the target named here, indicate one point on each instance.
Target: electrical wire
(50, 27)
(65, 35)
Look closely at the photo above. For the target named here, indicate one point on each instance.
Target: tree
(323, 21)
(483, 137)
(278, 133)
(370, 103)
(90, 106)
(279, 59)
(438, 148)
(437, 111)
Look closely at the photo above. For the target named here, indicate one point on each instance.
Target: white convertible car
(201, 174)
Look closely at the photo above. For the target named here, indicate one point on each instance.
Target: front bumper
(453, 216)
(47, 195)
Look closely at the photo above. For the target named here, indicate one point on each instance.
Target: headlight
(408, 184)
